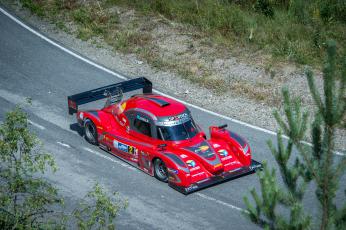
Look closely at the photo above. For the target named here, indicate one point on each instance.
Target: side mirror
(202, 134)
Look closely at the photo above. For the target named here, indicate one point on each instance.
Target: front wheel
(90, 132)
(160, 170)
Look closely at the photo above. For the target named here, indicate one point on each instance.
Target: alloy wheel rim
(90, 132)
(161, 170)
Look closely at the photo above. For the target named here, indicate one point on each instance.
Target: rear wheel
(160, 170)
(90, 132)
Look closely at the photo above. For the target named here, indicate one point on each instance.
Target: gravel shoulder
(250, 91)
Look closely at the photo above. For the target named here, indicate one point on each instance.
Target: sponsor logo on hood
(203, 149)
(191, 163)
(223, 152)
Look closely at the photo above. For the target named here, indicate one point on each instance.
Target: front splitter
(225, 176)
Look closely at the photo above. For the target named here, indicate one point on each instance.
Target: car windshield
(179, 132)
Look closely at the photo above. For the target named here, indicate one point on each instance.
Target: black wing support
(100, 93)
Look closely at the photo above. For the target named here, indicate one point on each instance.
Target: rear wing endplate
(100, 93)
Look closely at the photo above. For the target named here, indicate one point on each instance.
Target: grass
(297, 35)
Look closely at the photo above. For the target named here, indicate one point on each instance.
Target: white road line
(118, 75)
(221, 202)
(110, 159)
(36, 125)
(63, 144)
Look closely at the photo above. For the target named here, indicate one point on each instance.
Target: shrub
(265, 7)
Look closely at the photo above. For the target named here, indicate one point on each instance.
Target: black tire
(160, 170)
(90, 132)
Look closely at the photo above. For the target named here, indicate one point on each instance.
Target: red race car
(158, 135)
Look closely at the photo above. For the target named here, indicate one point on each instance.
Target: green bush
(265, 7)
(333, 9)
(28, 200)
(300, 10)
(34, 6)
(82, 16)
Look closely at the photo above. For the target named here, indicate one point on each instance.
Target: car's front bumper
(225, 176)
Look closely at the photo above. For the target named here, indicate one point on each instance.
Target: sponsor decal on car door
(129, 151)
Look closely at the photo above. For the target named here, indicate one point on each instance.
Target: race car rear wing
(100, 93)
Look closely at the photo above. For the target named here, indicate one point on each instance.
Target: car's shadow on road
(76, 128)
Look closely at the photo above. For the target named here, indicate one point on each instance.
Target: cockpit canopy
(169, 128)
(156, 116)
(182, 131)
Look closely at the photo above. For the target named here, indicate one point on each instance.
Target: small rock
(139, 62)
(187, 92)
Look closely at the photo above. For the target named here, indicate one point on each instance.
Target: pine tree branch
(340, 169)
(341, 101)
(254, 214)
(329, 84)
(308, 161)
(340, 217)
(304, 125)
(281, 122)
(314, 91)
(9, 213)
(289, 113)
(266, 204)
(316, 163)
(38, 213)
(316, 138)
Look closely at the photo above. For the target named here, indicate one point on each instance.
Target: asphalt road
(31, 67)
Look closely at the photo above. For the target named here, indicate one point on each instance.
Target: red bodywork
(192, 163)
(147, 126)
